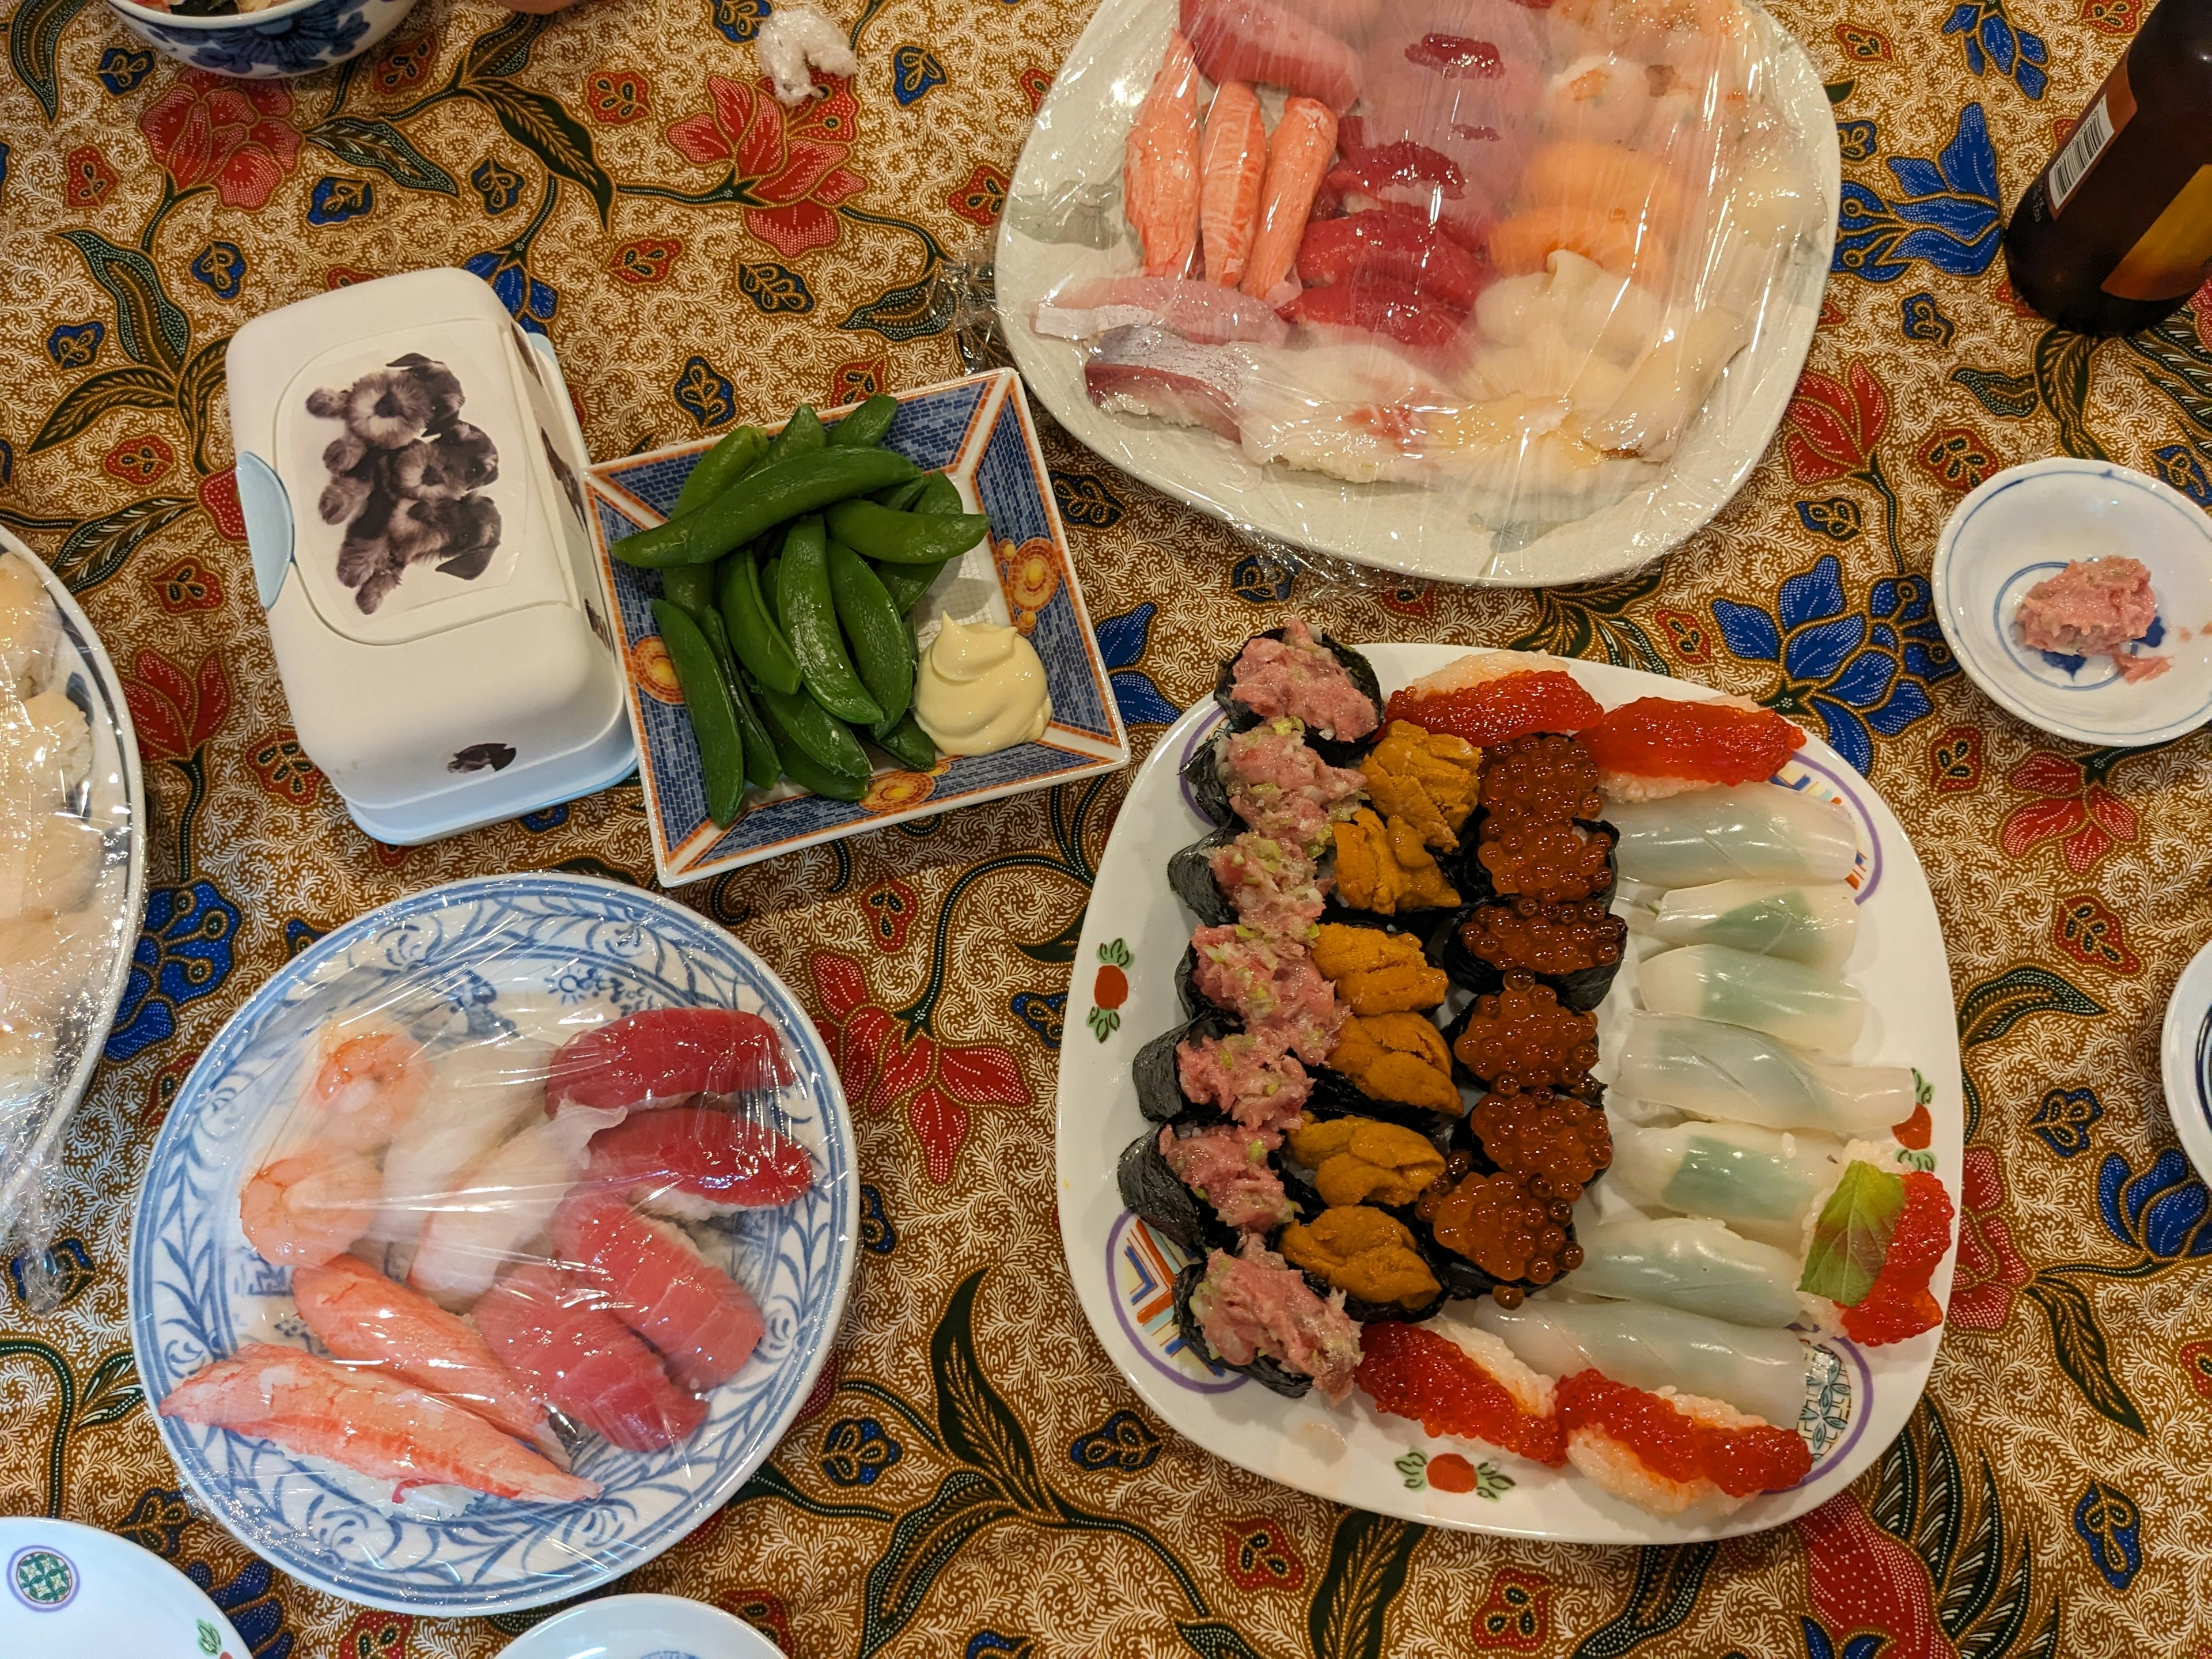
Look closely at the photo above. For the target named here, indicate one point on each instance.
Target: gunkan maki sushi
(1203, 1185)
(1254, 1313)
(1488, 1231)
(1294, 672)
(1574, 947)
(1522, 1036)
(1370, 1257)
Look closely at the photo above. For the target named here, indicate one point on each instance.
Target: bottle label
(2113, 108)
(2169, 261)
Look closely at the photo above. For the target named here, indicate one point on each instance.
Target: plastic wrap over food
(1468, 290)
(67, 888)
(493, 1253)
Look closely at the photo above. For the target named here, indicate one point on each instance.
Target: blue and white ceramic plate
(978, 431)
(2186, 1060)
(641, 1627)
(295, 37)
(73, 1590)
(2027, 524)
(1857, 1399)
(533, 955)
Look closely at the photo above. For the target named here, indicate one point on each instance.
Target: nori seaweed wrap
(1164, 1203)
(1266, 1372)
(1202, 776)
(1579, 988)
(1370, 1313)
(1471, 877)
(1190, 874)
(1336, 752)
(1158, 1079)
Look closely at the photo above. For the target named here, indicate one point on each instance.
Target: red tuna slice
(1401, 162)
(666, 1054)
(1394, 248)
(1388, 310)
(1258, 40)
(1150, 372)
(1466, 219)
(705, 1324)
(696, 1163)
(554, 1331)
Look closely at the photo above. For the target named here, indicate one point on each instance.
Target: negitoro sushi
(1381, 1137)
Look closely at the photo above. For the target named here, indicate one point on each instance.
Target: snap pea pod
(740, 451)
(939, 496)
(891, 538)
(883, 650)
(771, 578)
(755, 638)
(691, 587)
(803, 770)
(906, 742)
(810, 621)
(802, 435)
(771, 493)
(900, 497)
(907, 583)
(820, 736)
(866, 424)
(761, 768)
(714, 713)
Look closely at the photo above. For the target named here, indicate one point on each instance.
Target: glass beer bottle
(2117, 232)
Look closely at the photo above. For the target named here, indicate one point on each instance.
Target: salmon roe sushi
(1548, 778)
(1497, 710)
(1555, 861)
(1899, 1304)
(1500, 1223)
(1705, 743)
(1557, 1144)
(1741, 1459)
(1411, 1371)
(1547, 939)
(1519, 1038)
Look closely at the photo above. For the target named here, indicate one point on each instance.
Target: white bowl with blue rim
(641, 1627)
(73, 1590)
(526, 952)
(2025, 526)
(2184, 1057)
(296, 37)
(979, 433)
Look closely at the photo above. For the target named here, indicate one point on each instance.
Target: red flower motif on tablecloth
(1832, 314)
(617, 97)
(376, 1635)
(1864, 1580)
(885, 1063)
(1035, 81)
(186, 586)
(175, 712)
(1415, 600)
(2006, 297)
(823, 1391)
(1863, 44)
(284, 769)
(1259, 1555)
(1989, 1270)
(1834, 425)
(1957, 457)
(403, 63)
(161, 1092)
(219, 500)
(140, 458)
(858, 378)
(765, 1611)
(2087, 929)
(1686, 632)
(230, 134)
(647, 260)
(87, 178)
(345, 276)
(1516, 1614)
(889, 906)
(2077, 807)
(787, 164)
(2195, 1360)
(1954, 759)
(981, 197)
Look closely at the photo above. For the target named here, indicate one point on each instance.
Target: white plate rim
(2186, 1060)
(734, 1638)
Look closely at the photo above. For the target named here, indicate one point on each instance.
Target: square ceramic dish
(979, 431)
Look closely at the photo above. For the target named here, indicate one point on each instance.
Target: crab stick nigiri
(554, 1331)
(1232, 165)
(663, 1055)
(1160, 166)
(695, 1162)
(704, 1322)
(1297, 161)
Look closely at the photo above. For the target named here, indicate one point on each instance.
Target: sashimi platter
(1464, 289)
(1534, 1106)
(493, 1245)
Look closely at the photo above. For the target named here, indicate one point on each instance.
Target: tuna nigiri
(666, 1054)
(1232, 164)
(1258, 40)
(555, 1332)
(359, 1315)
(703, 1321)
(1298, 160)
(695, 1162)
(1390, 247)
(374, 1425)
(1160, 165)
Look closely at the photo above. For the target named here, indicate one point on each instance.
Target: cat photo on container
(404, 478)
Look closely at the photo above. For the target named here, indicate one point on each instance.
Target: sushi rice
(1614, 1466)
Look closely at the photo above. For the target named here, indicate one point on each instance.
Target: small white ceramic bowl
(2184, 1060)
(2027, 524)
(642, 1627)
(296, 37)
(76, 1591)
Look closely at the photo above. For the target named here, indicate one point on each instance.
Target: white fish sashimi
(1199, 312)
(29, 626)
(1649, 1347)
(1690, 1262)
(1761, 1181)
(1815, 922)
(478, 1097)
(1710, 1069)
(502, 1203)
(1754, 830)
(1786, 999)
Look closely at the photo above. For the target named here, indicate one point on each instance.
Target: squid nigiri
(1690, 1262)
(1755, 1370)
(1785, 1000)
(1752, 1178)
(555, 1332)
(1815, 922)
(1711, 1070)
(704, 1322)
(477, 1097)
(1754, 830)
(695, 1162)
(666, 1054)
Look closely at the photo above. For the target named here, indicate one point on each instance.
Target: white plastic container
(408, 462)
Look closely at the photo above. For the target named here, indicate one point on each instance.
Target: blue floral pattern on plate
(196, 1288)
(257, 46)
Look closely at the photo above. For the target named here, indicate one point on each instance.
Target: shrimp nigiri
(1160, 165)
(375, 1425)
(359, 1315)
(366, 1090)
(1232, 164)
(301, 1211)
(1298, 160)
(693, 1163)
(553, 1331)
(703, 1321)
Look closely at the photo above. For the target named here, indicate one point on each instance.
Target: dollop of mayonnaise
(981, 688)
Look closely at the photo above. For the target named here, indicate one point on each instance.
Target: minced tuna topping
(1284, 788)
(1299, 675)
(1274, 988)
(2094, 607)
(1228, 1167)
(1276, 892)
(1260, 1085)
(1256, 1303)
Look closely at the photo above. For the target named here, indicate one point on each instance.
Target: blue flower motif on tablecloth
(499, 186)
(877, 1235)
(184, 954)
(1818, 1644)
(552, 817)
(1852, 670)
(298, 935)
(704, 392)
(1836, 517)
(915, 73)
(7, 461)
(1947, 213)
(856, 1451)
(248, 1599)
(75, 345)
(1044, 1017)
(2177, 463)
(1858, 140)
(1993, 41)
(2109, 1523)
(2064, 1117)
(4, 166)
(1924, 321)
(1084, 498)
(1259, 579)
(220, 267)
(122, 67)
(2160, 1212)
(531, 302)
(335, 201)
(1121, 642)
(1123, 1444)
(989, 1644)
(738, 20)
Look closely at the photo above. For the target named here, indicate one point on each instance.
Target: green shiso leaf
(1851, 1238)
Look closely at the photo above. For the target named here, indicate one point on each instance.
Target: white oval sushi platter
(536, 955)
(1857, 1398)
(1064, 223)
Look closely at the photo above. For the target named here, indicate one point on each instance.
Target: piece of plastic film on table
(1535, 290)
(497, 1248)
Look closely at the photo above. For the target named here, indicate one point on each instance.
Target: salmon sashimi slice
(1151, 373)
(374, 1425)
(705, 1324)
(555, 1332)
(1232, 165)
(1258, 40)
(1298, 160)
(695, 1163)
(361, 1316)
(1396, 248)
(1160, 165)
(1196, 311)
(666, 1054)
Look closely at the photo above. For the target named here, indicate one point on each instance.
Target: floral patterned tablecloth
(698, 254)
